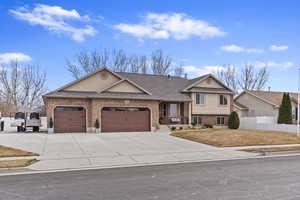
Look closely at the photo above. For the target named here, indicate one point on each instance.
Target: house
(254, 103)
(137, 102)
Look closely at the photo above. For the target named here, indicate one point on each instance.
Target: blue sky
(202, 34)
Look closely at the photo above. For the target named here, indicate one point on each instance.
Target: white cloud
(176, 25)
(237, 49)
(278, 48)
(194, 71)
(6, 58)
(272, 64)
(232, 48)
(53, 18)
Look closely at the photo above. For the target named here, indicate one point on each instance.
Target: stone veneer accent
(93, 107)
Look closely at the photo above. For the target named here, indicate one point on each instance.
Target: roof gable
(125, 86)
(94, 82)
(207, 81)
(273, 98)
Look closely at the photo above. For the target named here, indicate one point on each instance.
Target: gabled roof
(270, 97)
(240, 106)
(122, 81)
(86, 77)
(196, 81)
(160, 86)
(156, 87)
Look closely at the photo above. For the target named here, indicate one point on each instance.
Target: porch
(174, 113)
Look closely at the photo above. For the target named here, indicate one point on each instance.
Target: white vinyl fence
(8, 120)
(266, 123)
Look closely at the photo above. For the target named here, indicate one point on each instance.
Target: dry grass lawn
(233, 138)
(273, 149)
(11, 152)
(16, 163)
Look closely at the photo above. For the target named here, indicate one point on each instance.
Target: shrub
(173, 128)
(180, 128)
(97, 124)
(233, 121)
(207, 126)
(285, 110)
(51, 122)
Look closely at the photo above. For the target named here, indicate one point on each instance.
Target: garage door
(123, 119)
(69, 120)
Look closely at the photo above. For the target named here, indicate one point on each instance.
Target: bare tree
(88, 62)
(179, 71)
(120, 61)
(228, 75)
(134, 64)
(247, 79)
(22, 86)
(160, 63)
(143, 64)
(251, 79)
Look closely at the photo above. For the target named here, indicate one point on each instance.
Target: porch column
(190, 112)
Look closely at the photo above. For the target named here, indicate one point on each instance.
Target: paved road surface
(268, 178)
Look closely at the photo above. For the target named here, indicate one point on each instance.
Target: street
(268, 178)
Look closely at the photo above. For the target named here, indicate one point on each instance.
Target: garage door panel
(69, 121)
(125, 121)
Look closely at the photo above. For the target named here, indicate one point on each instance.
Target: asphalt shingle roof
(161, 87)
(272, 97)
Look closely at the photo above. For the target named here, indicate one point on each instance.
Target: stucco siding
(94, 83)
(210, 83)
(125, 87)
(211, 105)
(257, 107)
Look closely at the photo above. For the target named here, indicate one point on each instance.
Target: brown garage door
(123, 119)
(69, 120)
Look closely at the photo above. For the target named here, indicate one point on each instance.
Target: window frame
(198, 98)
(198, 119)
(223, 100)
(170, 110)
(218, 120)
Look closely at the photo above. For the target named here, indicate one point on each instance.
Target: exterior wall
(125, 87)
(94, 83)
(212, 119)
(256, 106)
(212, 105)
(93, 107)
(210, 83)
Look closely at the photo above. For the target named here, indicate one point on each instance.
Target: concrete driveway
(65, 151)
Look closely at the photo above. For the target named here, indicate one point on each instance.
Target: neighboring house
(137, 102)
(253, 103)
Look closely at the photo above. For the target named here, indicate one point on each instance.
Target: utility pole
(298, 114)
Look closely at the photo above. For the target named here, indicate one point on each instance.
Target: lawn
(232, 138)
(16, 163)
(12, 152)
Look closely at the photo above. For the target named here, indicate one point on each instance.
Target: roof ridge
(161, 75)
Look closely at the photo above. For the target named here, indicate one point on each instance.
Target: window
(223, 100)
(220, 120)
(173, 110)
(63, 108)
(196, 119)
(199, 98)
